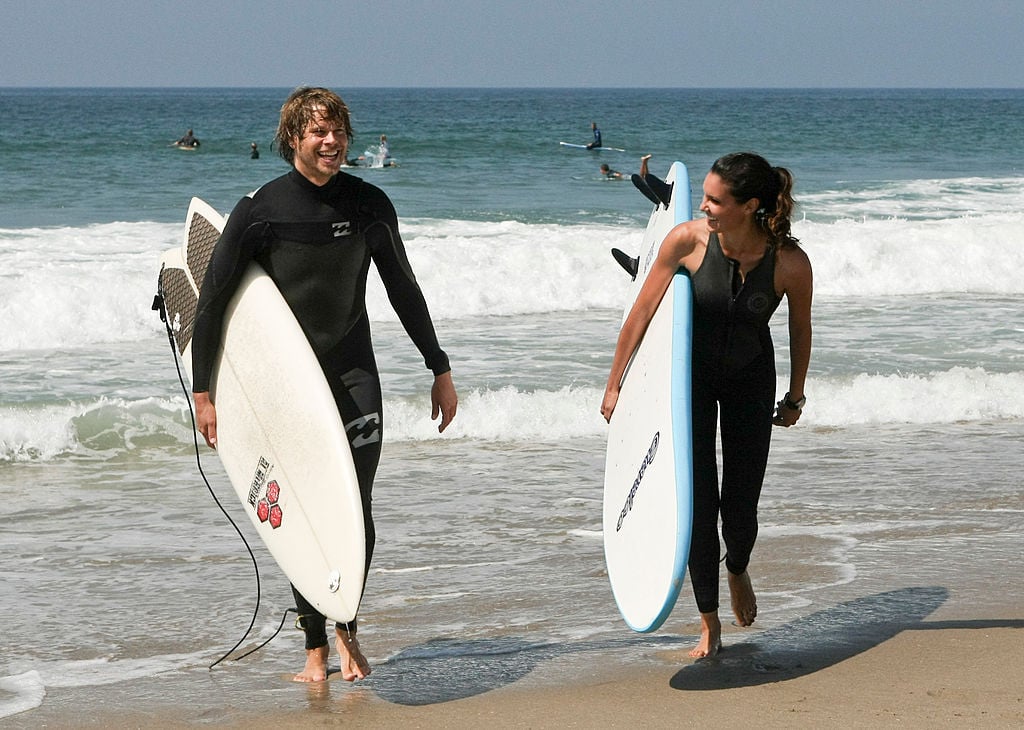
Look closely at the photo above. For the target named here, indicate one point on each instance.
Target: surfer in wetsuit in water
(597, 136)
(610, 173)
(742, 259)
(189, 140)
(315, 230)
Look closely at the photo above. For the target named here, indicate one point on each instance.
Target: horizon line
(476, 87)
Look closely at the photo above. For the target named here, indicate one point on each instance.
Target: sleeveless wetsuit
(733, 370)
(316, 243)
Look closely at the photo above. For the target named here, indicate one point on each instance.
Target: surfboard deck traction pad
(180, 299)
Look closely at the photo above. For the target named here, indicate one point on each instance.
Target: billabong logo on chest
(344, 228)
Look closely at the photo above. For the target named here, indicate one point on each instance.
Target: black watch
(795, 405)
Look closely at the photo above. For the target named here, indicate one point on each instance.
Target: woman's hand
(786, 416)
(611, 398)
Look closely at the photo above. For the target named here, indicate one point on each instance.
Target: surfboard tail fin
(644, 188)
(629, 263)
(662, 189)
(654, 188)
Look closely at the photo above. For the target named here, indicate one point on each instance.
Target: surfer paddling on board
(742, 260)
(315, 230)
(609, 173)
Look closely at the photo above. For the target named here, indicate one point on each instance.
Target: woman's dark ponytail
(748, 175)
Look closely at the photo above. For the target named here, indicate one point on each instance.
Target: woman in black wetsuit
(743, 259)
(316, 230)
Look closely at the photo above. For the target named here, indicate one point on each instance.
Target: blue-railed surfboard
(649, 465)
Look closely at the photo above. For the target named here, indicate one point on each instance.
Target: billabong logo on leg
(367, 430)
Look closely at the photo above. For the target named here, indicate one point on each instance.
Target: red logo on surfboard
(268, 509)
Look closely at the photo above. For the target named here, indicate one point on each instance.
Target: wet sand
(914, 674)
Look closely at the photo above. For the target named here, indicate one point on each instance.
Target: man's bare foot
(710, 636)
(353, 663)
(744, 602)
(316, 665)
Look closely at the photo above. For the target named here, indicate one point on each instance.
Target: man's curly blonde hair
(300, 108)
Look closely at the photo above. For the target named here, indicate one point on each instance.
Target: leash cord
(158, 304)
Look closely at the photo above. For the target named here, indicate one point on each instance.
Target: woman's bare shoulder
(686, 236)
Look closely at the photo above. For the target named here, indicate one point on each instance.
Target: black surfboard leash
(158, 306)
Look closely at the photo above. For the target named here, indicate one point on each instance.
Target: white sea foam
(29, 687)
(959, 394)
(927, 199)
(871, 258)
(70, 287)
(101, 671)
(485, 268)
(28, 692)
(429, 568)
(107, 424)
(514, 415)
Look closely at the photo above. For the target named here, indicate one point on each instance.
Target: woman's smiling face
(723, 211)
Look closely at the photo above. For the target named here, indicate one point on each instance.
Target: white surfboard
(585, 147)
(648, 486)
(280, 436)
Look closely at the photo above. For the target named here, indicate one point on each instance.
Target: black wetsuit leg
(746, 403)
(704, 545)
(746, 439)
(352, 373)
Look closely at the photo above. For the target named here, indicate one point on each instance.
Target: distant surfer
(189, 140)
(316, 230)
(381, 157)
(610, 173)
(597, 136)
(742, 259)
(254, 151)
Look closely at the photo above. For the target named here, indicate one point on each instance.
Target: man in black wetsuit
(315, 230)
(597, 136)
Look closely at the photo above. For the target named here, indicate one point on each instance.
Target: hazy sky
(746, 43)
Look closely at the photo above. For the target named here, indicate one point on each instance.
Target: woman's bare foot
(710, 636)
(316, 665)
(744, 602)
(353, 663)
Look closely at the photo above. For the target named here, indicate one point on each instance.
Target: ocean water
(123, 580)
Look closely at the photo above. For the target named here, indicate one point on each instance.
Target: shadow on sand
(823, 639)
(442, 670)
